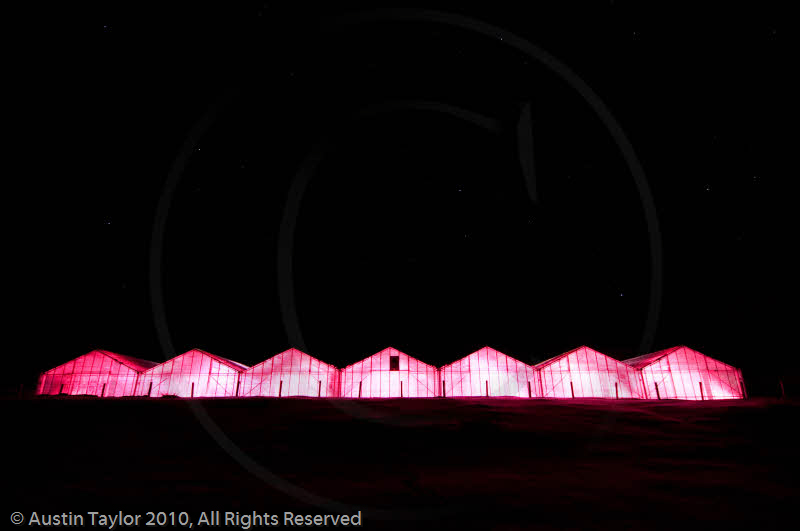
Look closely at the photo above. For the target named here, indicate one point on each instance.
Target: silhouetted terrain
(487, 462)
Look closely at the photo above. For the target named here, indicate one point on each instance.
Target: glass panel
(376, 378)
(488, 368)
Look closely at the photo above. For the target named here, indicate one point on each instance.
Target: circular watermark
(288, 304)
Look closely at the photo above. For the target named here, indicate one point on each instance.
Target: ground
(415, 463)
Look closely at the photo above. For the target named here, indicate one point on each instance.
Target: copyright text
(205, 519)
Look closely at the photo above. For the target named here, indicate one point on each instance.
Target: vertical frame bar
(644, 385)
(541, 384)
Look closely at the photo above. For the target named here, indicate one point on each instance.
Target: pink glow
(488, 372)
(290, 373)
(586, 373)
(192, 374)
(99, 372)
(377, 377)
(680, 372)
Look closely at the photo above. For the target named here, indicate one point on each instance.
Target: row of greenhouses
(675, 373)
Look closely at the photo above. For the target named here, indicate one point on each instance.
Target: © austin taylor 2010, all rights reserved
(204, 519)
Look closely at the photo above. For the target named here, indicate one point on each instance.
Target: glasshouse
(680, 372)
(488, 372)
(290, 373)
(586, 373)
(99, 372)
(192, 374)
(389, 373)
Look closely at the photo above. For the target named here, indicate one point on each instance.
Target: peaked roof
(646, 359)
(230, 363)
(482, 348)
(394, 350)
(136, 364)
(559, 356)
(291, 350)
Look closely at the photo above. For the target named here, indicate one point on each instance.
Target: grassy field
(415, 463)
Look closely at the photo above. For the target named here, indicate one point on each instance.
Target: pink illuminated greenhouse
(99, 372)
(192, 374)
(290, 373)
(680, 372)
(389, 373)
(586, 373)
(488, 372)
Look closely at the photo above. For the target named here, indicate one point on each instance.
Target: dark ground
(549, 464)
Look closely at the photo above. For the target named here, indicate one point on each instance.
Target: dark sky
(418, 227)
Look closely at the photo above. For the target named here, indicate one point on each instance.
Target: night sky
(418, 226)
